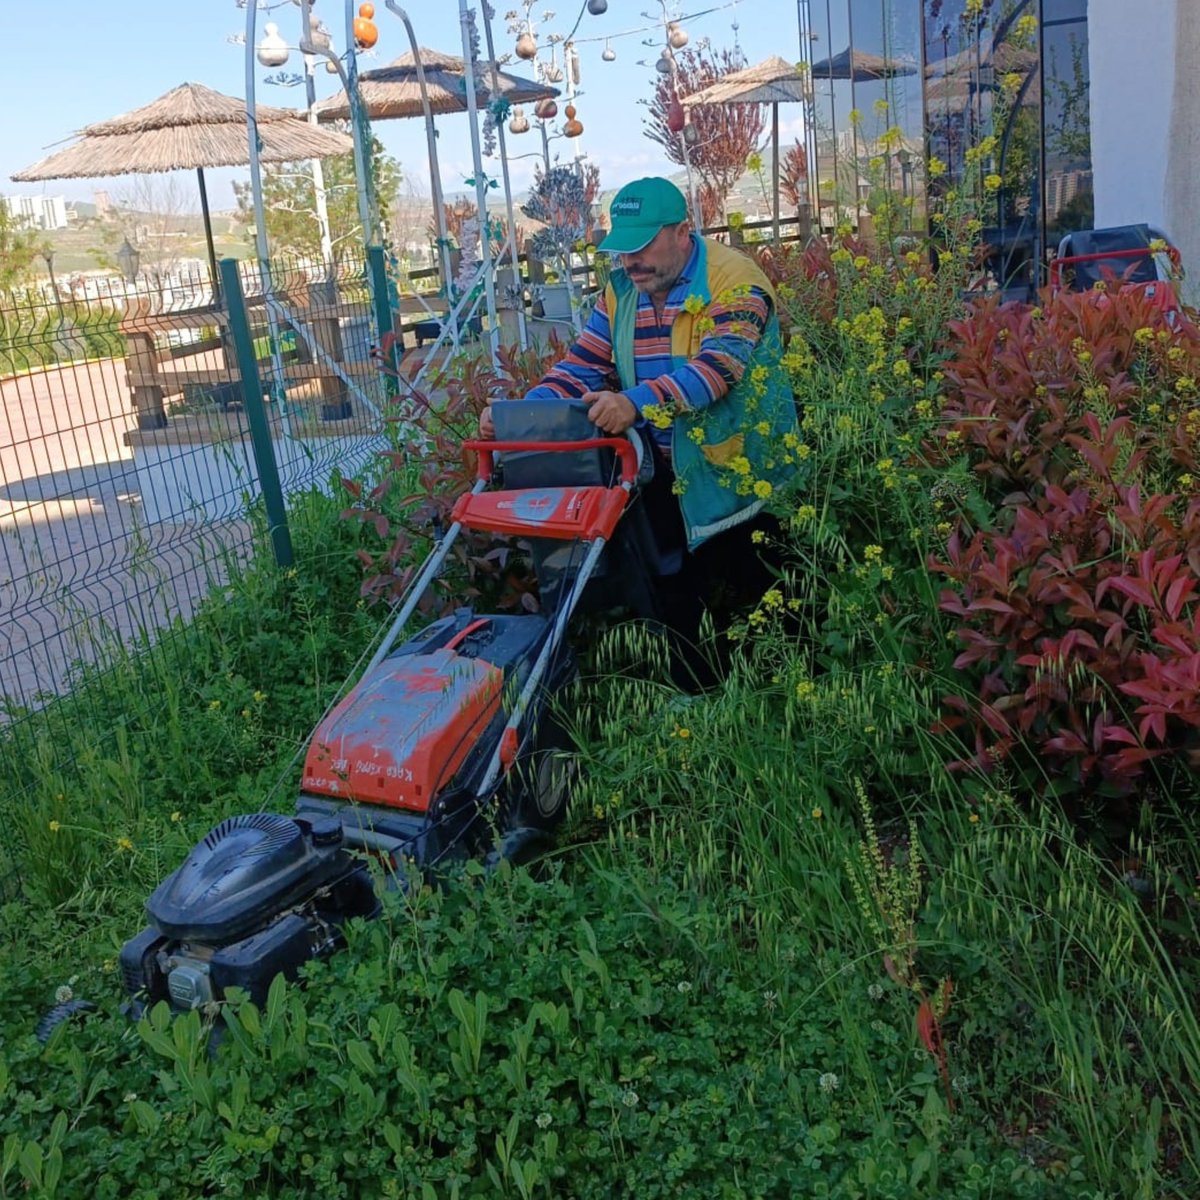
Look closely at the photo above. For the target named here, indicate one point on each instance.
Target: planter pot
(556, 302)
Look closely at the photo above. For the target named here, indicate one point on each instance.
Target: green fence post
(256, 414)
(377, 268)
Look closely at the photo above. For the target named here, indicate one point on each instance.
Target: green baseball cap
(639, 210)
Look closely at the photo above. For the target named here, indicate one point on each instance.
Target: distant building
(37, 212)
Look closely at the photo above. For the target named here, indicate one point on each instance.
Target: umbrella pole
(465, 17)
(208, 236)
(775, 169)
(519, 300)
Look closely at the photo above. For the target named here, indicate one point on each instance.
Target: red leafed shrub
(430, 461)
(1021, 381)
(1079, 612)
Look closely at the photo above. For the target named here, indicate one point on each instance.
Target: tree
(793, 175)
(726, 134)
(291, 208)
(18, 249)
(153, 212)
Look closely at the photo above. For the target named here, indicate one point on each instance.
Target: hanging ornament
(597, 7)
(272, 50)
(553, 72)
(527, 46)
(677, 36)
(691, 134)
(675, 117)
(572, 127)
(608, 54)
(665, 61)
(519, 122)
(366, 33)
(545, 110)
(571, 57)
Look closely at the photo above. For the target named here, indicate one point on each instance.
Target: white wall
(1145, 110)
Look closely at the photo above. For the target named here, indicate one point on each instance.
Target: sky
(79, 63)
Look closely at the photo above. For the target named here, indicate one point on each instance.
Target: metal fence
(128, 472)
(126, 467)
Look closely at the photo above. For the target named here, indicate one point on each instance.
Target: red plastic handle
(623, 446)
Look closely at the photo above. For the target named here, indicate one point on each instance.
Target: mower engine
(261, 894)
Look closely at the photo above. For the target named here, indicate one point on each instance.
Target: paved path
(77, 565)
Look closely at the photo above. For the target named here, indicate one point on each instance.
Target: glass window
(1069, 200)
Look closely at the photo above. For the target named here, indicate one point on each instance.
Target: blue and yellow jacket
(729, 457)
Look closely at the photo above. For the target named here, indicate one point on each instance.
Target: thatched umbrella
(857, 66)
(772, 81)
(394, 92)
(190, 127)
(860, 67)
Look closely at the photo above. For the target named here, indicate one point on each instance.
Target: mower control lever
(625, 449)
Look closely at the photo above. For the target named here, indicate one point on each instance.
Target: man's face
(656, 266)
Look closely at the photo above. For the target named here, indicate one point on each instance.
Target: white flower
(770, 1000)
(829, 1082)
(683, 986)
(630, 1098)
(544, 1120)
(63, 994)
(875, 991)
(130, 1097)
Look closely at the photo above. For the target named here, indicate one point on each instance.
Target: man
(686, 338)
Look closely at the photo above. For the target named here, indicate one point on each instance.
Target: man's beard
(661, 280)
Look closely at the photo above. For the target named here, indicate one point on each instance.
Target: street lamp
(129, 259)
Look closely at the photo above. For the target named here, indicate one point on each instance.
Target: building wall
(1145, 110)
(1183, 168)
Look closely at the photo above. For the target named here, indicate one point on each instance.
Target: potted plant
(561, 200)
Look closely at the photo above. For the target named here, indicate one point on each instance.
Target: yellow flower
(213, 705)
(974, 818)
(992, 182)
(935, 167)
(682, 732)
(598, 811)
(259, 697)
(817, 813)
(758, 537)
(176, 817)
(855, 117)
(55, 826)
(762, 489)
(806, 512)
(873, 554)
(123, 843)
(740, 465)
(806, 690)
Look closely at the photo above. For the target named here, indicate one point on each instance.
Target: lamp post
(130, 260)
(270, 52)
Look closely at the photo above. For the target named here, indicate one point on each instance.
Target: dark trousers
(724, 577)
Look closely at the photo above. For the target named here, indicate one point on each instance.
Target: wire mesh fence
(128, 481)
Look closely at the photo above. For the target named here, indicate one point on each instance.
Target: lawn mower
(445, 748)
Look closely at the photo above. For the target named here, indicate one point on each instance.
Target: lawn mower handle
(626, 451)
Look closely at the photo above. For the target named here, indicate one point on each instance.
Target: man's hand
(613, 412)
(487, 428)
